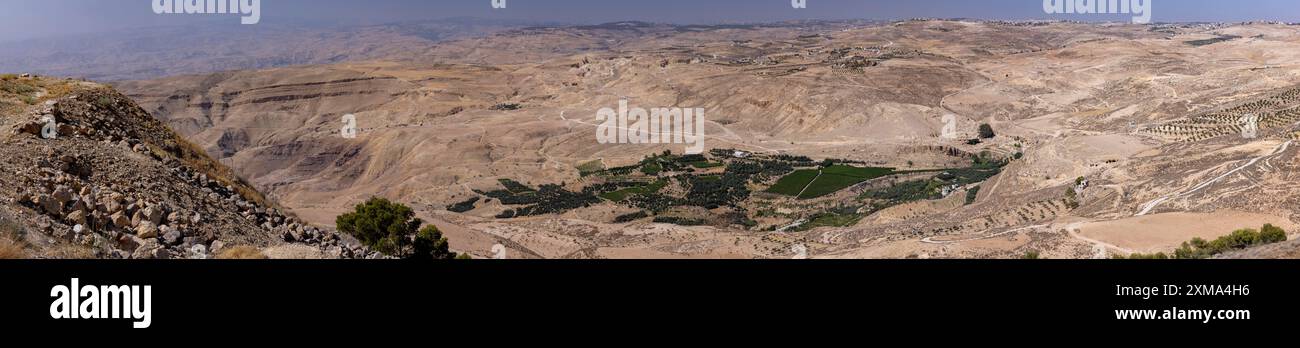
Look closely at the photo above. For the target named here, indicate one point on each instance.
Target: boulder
(31, 127)
(146, 230)
(79, 205)
(150, 249)
(216, 246)
(171, 236)
(152, 214)
(63, 194)
(120, 220)
(112, 206)
(49, 204)
(129, 242)
(334, 252)
(77, 217)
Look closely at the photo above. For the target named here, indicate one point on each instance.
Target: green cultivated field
(791, 184)
(832, 179)
(867, 173)
(620, 195)
(828, 184)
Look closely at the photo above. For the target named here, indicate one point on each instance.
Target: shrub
(506, 107)
(1137, 256)
(986, 131)
(68, 251)
(104, 102)
(431, 245)
(1071, 198)
(1240, 239)
(382, 225)
(392, 228)
(651, 169)
(17, 87)
(12, 248)
(1271, 234)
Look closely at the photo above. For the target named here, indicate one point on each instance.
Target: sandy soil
(1164, 232)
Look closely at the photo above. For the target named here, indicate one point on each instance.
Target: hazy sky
(22, 19)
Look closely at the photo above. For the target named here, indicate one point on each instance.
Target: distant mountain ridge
(207, 47)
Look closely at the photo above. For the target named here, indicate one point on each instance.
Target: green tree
(1271, 234)
(1071, 198)
(431, 245)
(382, 225)
(1137, 256)
(1240, 239)
(986, 131)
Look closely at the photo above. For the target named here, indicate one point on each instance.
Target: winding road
(1149, 206)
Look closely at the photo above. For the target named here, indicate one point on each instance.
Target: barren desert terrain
(1110, 138)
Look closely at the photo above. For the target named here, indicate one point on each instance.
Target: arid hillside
(89, 174)
(1109, 139)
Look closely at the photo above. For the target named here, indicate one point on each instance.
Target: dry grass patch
(12, 246)
(69, 251)
(242, 252)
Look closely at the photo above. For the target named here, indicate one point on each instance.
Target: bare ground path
(1149, 206)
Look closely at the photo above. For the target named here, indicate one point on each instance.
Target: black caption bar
(288, 296)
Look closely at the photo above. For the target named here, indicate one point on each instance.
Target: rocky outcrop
(120, 184)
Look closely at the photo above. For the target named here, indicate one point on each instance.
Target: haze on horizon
(31, 19)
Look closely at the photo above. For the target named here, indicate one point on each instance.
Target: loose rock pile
(120, 184)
